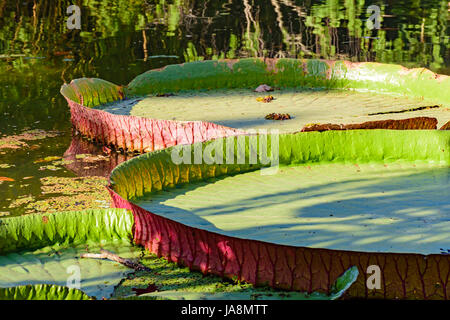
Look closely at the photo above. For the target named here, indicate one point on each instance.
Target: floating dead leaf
(4, 214)
(6, 166)
(263, 88)
(27, 178)
(265, 99)
(278, 116)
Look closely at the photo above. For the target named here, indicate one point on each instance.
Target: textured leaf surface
(76, 227)
(43, 249)
(157, 171)
(92, 92)
(405, 276)
(363, 207)
(42, 292)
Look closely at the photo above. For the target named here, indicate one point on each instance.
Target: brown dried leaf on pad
(278, 116)
(418, 123)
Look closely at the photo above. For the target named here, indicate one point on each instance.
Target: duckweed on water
(77, 193)
(19, 141)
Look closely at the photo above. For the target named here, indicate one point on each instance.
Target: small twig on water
(105, 254)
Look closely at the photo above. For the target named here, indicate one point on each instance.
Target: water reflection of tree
(195, 30)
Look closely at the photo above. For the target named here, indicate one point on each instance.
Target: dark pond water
(120, 39)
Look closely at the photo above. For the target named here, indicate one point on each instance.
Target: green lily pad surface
(56, 264)
(46, 249)
(339, 287)
(238, 108)
(366, 207)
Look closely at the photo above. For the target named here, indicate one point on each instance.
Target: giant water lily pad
(46, 249)
(365, 207)
(331, 199)
(204, 100)
(381, 191)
